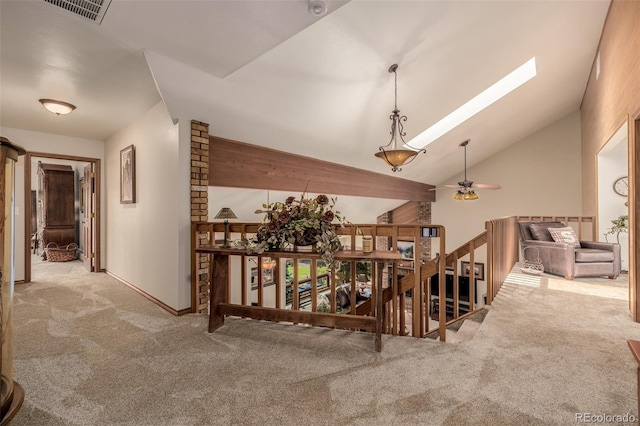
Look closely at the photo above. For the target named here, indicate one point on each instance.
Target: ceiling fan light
(470, 195)
(458, 196)
(57, 107)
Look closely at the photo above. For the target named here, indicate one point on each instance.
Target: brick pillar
(200, 203)
(382, 243)
(424, 218)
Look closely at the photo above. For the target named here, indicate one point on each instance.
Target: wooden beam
(241, 165)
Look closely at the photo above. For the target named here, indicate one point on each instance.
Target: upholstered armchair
(561, 253)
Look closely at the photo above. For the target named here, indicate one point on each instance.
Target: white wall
(143, 238)
(540, 175)
(49, 144)
(612, 164)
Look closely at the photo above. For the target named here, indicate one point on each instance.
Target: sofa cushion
(540, 231)
(564, 235)
(593, 255)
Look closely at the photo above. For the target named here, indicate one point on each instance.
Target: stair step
(468, 330)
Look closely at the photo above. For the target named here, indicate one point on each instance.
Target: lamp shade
(226, 213)
(471, 195)
(57, 107)
(467, 195)
(396, 157)
(268, 263)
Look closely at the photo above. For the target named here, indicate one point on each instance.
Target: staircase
(464, 330)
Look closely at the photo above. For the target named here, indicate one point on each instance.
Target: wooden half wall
(611, 99)
(241, 165)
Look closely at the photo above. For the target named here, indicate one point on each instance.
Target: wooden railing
(401, 295)
(585, 226)
(409, 304)
(503, 243)
(502, 252)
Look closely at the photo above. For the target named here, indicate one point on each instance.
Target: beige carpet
(90, 351)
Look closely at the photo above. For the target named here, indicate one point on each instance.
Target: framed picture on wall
(406, 249)
(478, 270)
(128, 175)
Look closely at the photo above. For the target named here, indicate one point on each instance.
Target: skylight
(501, 88)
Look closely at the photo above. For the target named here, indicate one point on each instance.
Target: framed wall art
(406, 249)
(478, 270)
(128, 175)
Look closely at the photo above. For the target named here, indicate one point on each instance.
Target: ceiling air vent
(93, 10)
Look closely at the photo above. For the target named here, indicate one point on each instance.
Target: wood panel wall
(241, 165)
(502, 252)
(609, 102)
(406, 213)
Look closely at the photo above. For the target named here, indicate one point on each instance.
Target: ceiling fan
(466, 188)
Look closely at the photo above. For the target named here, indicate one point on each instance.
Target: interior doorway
(85, 198)
(613, 192)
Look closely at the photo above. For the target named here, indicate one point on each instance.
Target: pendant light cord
(395, 74)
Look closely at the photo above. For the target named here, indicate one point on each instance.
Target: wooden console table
(219, 305)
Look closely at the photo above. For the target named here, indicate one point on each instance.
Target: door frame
(634, 207)
(27, 192)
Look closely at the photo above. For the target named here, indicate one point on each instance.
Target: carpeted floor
(90, 351)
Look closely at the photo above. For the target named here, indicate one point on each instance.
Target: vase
(367, 244)
(307, 237)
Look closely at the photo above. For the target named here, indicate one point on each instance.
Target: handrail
(428, 270)
(392, 296)
(394, 299)
(500, 237)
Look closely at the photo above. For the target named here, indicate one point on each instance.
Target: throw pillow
(540, 232)
(564, 235)
(343, 298)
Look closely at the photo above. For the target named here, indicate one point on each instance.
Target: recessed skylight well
(498, 90)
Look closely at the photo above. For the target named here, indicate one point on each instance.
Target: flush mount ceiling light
(57, 107)
(498, 90)
(317, 7)
(390, 153)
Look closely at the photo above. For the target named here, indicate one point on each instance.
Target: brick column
(200, 203)
(382, 243)
(424, 218)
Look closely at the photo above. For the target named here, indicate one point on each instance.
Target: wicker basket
(534, 266)
(61, 254)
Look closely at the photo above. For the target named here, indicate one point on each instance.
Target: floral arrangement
(301, 222)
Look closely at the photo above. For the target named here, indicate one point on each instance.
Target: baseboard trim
(150, 297)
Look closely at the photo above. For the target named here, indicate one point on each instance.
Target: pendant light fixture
(390, 153)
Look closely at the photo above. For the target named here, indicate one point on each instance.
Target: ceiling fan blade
(486, 186)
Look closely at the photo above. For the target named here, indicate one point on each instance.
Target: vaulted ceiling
(270, 73)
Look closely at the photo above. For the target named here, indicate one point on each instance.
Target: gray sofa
(589, 259)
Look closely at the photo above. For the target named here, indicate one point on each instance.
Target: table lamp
(226, 213)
